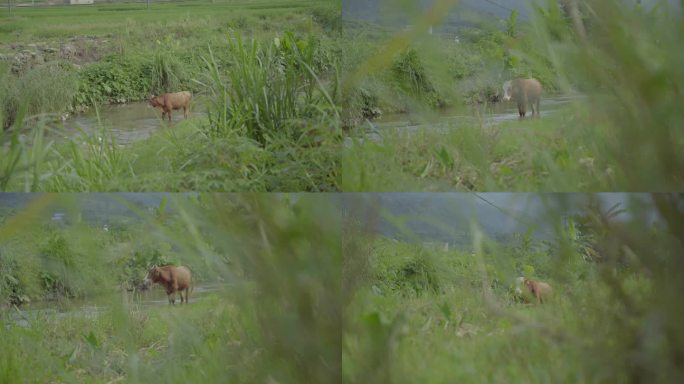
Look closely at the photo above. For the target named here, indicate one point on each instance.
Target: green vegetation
(266, 70)
(425, 314)
(484, 157)
(274, 317)
(623, 135)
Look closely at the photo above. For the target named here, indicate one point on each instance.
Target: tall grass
(179, 159)
(95, 163)
(621, 135)
(168, 71)
(629, 66)
(44, 89)
(269, 89)
(480, 156)
(613, 316)
(273, 123)
(276, 317)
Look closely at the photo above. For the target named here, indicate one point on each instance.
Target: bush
(112, 81)
(43, 89)
(411, 78)
(268, 89)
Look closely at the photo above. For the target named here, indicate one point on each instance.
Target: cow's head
(530, 285)
(152, 276)
(507, 93)
(153, 100)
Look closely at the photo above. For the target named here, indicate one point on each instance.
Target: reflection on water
(126, 122)
(91, 308)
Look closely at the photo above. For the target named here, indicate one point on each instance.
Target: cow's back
(183, 277)
(531, 87)
(177, 99)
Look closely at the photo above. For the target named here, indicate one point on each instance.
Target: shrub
(267, 89)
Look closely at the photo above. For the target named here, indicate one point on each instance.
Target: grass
(621, 136)
(269, 77)
(58, 22)
(416, 313)
(178, 158)
(121, 343)
(275, 317)
(483, 157)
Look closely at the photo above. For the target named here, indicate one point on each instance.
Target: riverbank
(269, 85)
(62, 59)
(177, 157)
(423, 73)
(551, 153)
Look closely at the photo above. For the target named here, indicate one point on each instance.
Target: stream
(127, 123)
(136, 121)
(92, 307)
(451, 118)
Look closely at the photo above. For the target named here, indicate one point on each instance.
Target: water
(92, 308)
(447, 119)
(452, 117)
(127, 123)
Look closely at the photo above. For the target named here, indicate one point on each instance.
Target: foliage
(476, 157)
(411, 77)
(268, 89)
(598, 325)
(274, 315)
(46, 88)
(288, 143)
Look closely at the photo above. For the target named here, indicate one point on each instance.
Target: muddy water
(91, 308)
(126, 122)
(452, 117)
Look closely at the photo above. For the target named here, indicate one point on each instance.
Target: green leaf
(91, 340)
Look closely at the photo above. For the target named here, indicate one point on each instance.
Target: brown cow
(171, 101)
(534, 289)
(523, 91)
(174, 279)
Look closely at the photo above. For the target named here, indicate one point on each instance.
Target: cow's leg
(185, 112)
(172, 298)
(187, 295)
(522, 106)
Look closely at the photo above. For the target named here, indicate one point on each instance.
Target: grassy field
(623, 135)
(268, 72)
(275, 316)
(420, 313)
(28, 24)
